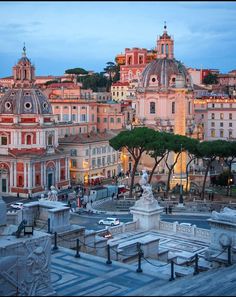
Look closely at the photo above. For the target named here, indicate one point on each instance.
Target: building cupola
(165, 45)
(23, 72)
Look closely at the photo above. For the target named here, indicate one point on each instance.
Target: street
(90, 221)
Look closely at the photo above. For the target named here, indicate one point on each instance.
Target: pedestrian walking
(170, 209)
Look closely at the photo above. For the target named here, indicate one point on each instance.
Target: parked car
(109, 221)
(17, 205)
(186, 224)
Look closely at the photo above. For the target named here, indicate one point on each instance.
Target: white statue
(52, 194)
(227, 214)
(147, 194)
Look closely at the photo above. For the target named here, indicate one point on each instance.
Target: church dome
(165, 73)
(25, 101)
(24, 97)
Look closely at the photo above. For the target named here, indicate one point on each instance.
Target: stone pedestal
(223, 232)
(147, 214)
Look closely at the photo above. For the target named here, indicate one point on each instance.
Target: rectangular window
(83, 117)
(103, 149)
(221, 133)
(73, 152)
(202, 116)
(230, 134)
(213, 133)
(189, 108)
(230, 124)
(92, 117)
(230, 116)
(212, 116)
(152, 108)
(65, 117)
(212, 124)
(103, 161)
(221, 124)
(221, 116)
(109, 159)
(105, 120)
(118, 120)
(86, 152)
(93, 162)
(73, 163)
(173, 107)
(74, 117)
(99, 161)
(94, 151)
(98, 150)
(98, 120)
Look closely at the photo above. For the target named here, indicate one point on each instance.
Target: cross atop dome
(24, 51)
(165, 27)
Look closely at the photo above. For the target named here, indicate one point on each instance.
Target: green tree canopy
(210, 79)
(209, 151)
(136, 141)
(76, 71)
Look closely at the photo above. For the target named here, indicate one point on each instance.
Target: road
(90, 221)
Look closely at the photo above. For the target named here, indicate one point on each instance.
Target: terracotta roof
(88, 138)
(120, 84)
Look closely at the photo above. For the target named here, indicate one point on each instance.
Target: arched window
(140, 59)
(162, 48)
(111, 120)
(167, 49)
(152, 107)
(28, 140)
(50, 140)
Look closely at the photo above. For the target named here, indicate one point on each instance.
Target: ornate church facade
(31, 160)
(165, 98)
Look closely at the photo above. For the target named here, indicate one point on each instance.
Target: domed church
(165, 93)
(30, 158)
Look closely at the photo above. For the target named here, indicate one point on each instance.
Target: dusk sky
(62, 35)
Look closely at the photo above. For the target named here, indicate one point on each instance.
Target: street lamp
(181, 187)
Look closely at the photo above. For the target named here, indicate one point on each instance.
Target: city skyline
(62, 35)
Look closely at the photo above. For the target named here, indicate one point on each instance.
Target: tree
(76, 71)
(157, 150)
(177, 144)
(136, 142)
(210, 79)
(113, 70)
(193, 153)
(209, 151)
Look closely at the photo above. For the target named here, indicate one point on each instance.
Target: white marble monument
(25, 261)
(146, 210)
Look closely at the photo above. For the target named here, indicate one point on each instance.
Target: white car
(17, 205)
(109, 221)
(186, 224)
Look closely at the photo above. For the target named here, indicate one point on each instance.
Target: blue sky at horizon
(87, 34)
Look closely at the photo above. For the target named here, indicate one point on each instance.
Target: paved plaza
(90, 276)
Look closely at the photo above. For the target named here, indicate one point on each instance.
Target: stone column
(25, 175)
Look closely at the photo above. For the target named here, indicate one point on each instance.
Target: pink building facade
(30, 158)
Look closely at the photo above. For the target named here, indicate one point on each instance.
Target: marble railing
(175, 227)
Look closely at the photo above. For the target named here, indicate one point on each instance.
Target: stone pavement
(89, 275)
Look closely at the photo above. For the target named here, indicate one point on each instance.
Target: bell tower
(24, 72)
(165, 45)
